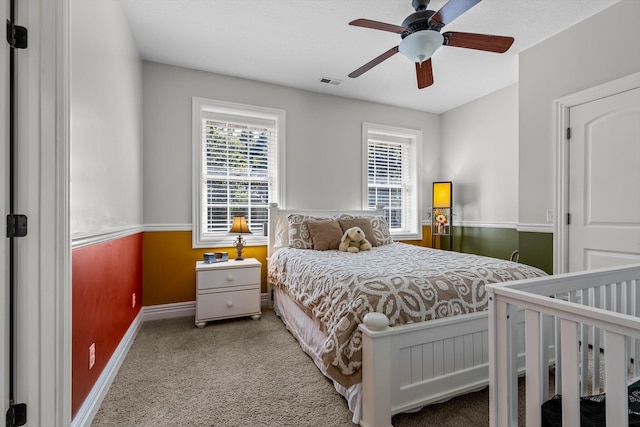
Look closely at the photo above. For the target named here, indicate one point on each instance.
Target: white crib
(562, 313)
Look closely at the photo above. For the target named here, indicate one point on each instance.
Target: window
(237, 169)
(392, 176)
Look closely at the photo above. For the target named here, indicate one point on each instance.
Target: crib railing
(574, 320)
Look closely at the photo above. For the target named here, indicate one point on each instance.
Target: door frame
(562, 106)
(43, 266)
(4, 205)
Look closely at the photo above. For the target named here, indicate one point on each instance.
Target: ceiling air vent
(330, 81)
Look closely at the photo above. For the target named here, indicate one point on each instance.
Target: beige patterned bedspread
(407, 283)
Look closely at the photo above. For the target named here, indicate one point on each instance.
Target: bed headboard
(278, 225)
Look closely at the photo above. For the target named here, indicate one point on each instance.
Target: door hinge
(16, 225)
(568, 133)
(568, 218)
(16, 35)
(17, 415)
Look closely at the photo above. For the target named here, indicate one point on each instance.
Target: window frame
(412, 211)
(203, 108)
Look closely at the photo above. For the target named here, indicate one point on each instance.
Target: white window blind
(238, 171)
(392, 177)
(388, 179)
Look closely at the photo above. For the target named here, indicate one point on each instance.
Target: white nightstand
(227, 289)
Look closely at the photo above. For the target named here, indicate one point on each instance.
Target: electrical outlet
(92, 355)
(550, 216)
(133, 300)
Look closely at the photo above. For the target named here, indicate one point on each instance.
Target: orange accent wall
(169, 264)
(104, 277)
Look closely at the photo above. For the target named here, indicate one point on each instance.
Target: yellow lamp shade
(240, 225)
(442, 194)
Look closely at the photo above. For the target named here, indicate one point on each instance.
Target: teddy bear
(354, 240)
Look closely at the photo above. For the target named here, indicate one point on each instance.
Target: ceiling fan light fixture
(421, 45)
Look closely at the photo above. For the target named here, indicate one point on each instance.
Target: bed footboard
(410, 366)
(596, 331)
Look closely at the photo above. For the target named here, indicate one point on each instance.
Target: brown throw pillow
(364, 224)
(325, 234)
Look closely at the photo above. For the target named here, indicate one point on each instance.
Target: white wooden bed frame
(599, 307)
(409, 366)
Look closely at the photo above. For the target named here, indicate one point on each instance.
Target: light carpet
(242, 372)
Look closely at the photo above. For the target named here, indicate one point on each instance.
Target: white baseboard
(265, 301)
(84, 416)
(168, 311)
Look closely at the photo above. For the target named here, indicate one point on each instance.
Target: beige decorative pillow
(381, 230)
(325, 234)
(377, 233)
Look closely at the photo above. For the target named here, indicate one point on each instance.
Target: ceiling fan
(421, 37)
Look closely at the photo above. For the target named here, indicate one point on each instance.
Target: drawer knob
(230, 278)
(229, 304)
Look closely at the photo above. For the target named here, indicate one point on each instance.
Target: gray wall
(106, 120)
(600, 49)
(479, 154)
(323, 140)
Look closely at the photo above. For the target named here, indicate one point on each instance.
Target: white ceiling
(297, 42)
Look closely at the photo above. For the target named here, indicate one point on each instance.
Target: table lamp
(241, 227)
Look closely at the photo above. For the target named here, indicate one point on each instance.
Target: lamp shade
(240, 225)
(442, 194)
(419, 46)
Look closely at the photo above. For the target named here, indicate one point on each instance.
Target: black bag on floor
(592, 409)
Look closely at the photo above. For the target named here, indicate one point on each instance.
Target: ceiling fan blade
(452, 10)
(424, 72)
(486, 42)
(376, 25)
(375, 61)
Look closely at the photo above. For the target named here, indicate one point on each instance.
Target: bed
(582, 333)
(396, 327)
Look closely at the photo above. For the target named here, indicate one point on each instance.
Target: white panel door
(604, 186)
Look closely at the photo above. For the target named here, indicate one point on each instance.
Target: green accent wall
(493, 242)
(536, 249)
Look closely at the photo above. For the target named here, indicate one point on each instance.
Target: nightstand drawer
(228, 304)
(224, 278)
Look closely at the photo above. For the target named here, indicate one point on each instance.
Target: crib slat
(617, 406)
(570, 380)
(636, 313)
(512, 323)
(636, 360)
(597, 302)
(617, 298)
(499, 399)
(584, 347)
(627, 298)
(558, 350)
(535, 356)
(547, 338)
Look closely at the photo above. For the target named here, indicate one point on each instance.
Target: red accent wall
(104, 277)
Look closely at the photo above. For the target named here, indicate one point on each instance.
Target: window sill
(406, 236)
(229, 241)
